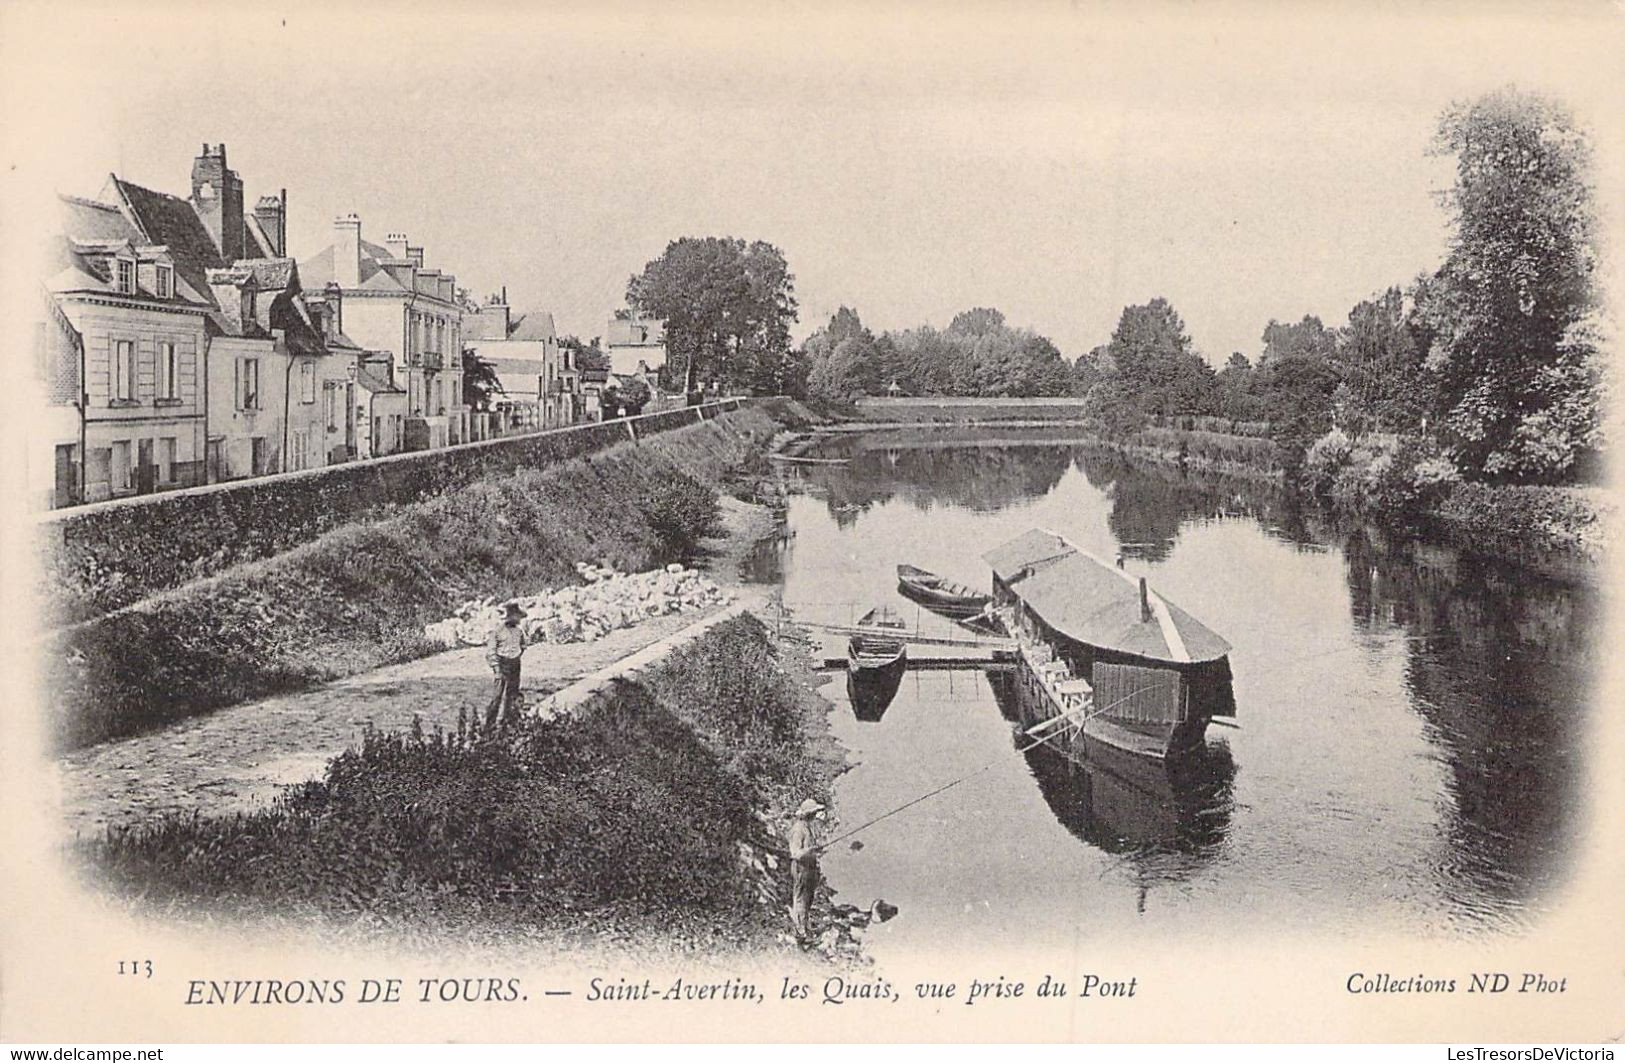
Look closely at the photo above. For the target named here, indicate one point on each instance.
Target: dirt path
(239, 758)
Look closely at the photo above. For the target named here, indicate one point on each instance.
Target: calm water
(1411, 721)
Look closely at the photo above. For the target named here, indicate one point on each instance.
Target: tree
(841, 359)
(480, 382)
(1153, 365)
(1382, 385)
(727, 307)
(1507, 305)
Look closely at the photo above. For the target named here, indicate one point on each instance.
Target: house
(55, 394)
(594, 372)
(634, 341)
(277, 393)
(138, 327)
(393, 303)
(380, 406)
(540, 382)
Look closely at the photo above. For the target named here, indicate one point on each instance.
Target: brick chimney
(217, 196)
(416, 255)
(396, 242)
(272, 214)
(347, 251)
(333, 314)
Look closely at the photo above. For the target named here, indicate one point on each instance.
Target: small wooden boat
(939, 594)
(877, 646)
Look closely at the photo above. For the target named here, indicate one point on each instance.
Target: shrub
(681, 511)
(1323, 460)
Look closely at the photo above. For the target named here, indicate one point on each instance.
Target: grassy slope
(637, 818)
(359, 596)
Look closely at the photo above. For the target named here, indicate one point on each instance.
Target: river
(1411, 720)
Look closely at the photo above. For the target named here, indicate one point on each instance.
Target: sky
(1057, 162)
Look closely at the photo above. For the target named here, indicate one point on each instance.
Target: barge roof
(1087, 599)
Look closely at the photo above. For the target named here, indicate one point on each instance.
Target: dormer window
(126, 276)
(165, 283)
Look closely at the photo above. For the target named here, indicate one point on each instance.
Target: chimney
(416, 255)
(272, 214)
(396, 242)
(1145, 602)
(347, 251)
(333, 314)
(217, 197)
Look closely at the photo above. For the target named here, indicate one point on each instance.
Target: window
(307, 381)
(167, 374)
(330, 405)
(123, 370)
(121, 465)
(166, 281)
(248, 384)
(126, 276)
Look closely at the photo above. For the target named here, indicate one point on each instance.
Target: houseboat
(1107, 659)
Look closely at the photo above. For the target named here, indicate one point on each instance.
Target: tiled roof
(271, 273)
(534, 326)
(318, 269)
(374, 376)
(171, 221)
(85, 221)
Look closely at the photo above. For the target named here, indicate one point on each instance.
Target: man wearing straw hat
(804, 850)
(503, 648)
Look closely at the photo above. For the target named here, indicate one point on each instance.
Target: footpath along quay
(240, 758)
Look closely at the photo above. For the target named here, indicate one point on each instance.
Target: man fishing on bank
(804, 852)
(503, 648)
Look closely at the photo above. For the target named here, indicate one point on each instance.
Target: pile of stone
(606, 601)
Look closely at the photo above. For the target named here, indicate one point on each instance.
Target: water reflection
(1411, 743)
(1121, 803)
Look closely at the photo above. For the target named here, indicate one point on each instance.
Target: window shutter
(237, 382)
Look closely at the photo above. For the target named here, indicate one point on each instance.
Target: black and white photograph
(812, 523)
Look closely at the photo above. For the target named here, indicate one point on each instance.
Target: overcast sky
(1054, 161)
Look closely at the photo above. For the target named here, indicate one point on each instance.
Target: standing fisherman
(804, 850)
(503, 648)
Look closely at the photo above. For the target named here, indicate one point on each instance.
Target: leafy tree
(1383, 386)
(480, 382)
(842, 360)
(727, 307)
(1153, 364)
(1517, 371)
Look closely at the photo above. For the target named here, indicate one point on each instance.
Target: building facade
(540, 383)
(139, 331)
(393, 303)
(636, 344)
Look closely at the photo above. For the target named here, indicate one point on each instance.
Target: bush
(681, 511)
(1324, 459)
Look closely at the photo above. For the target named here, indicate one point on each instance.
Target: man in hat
(804, 850)
(503, 648)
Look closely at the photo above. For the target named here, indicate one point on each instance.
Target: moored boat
(877, 645)
(939, 594)
(1123, 665)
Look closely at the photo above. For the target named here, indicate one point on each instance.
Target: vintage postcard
(724, 522)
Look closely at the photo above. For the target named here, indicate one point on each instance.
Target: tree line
(1493, 364)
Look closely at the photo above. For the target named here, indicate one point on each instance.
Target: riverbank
(1561, 532)
(650, 820)
(358, 596)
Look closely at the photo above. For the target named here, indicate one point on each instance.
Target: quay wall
(101, 557)
(358, 595)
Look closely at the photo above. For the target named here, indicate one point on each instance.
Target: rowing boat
(939, 594)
